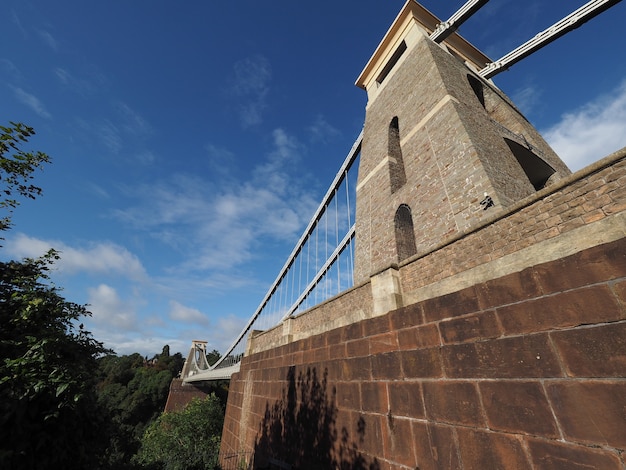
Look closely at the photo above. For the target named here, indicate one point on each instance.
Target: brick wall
(509, 353)
(180, 394)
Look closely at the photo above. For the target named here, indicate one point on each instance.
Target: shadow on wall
(300, 430)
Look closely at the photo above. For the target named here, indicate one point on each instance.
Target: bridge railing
(320, 266)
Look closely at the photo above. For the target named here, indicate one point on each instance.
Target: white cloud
(32, 102)
(125, 344)
(181, 313)
(127, 341)
(229, 327)
(109, 310)
(101, 258)
(591, 132)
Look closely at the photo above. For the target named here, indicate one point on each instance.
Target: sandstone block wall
(510, 352)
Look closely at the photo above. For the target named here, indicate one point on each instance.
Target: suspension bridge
(321, 265)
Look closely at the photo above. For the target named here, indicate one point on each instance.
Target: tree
(213, 356)
(17, 168)
(49, 416)
(134, 391)
(48, 412)
(185, 439)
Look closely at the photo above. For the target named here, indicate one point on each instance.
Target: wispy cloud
(526, 99)
(110, 136)
(10, 69)
(125, 133)
(251, 85)
(16, 21)
(322, 131)
(96, 258)
(220, 158)
(96, 190)
(48, 39)
(145, 157)
(592, 131)
(78, 84)
(32, 102)
(132, 122)
(219, 226)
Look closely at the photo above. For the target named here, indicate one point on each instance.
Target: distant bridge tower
(442, 150)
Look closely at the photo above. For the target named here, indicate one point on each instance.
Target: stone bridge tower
(442, 148)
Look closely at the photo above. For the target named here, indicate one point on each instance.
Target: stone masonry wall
(453, 153)
(510, 352)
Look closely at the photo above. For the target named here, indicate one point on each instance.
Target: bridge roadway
(222, 373)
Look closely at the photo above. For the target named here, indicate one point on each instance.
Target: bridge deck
(222, 373)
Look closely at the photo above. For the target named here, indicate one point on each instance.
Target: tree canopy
(188, 439)
(16, 169)
(47, 374)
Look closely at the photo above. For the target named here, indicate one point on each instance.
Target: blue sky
(192, 141)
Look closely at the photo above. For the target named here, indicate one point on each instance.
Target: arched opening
(477, 86)
(405, 235)
(536, 169)
(397, 174)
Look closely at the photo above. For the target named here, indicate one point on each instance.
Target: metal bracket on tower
(448, 27)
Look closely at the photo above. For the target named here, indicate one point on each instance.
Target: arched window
(397, 174)
(537, 170)
(405, 235)
(477, 86)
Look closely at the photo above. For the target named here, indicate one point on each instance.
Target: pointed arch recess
(397, 173)
(405, 234)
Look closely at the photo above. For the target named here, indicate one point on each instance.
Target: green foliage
(213, 357)
(134, 391)
(186, 439)
(47, 392)
(17, 168)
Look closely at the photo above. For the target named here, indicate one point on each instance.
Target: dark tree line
(132, 390)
